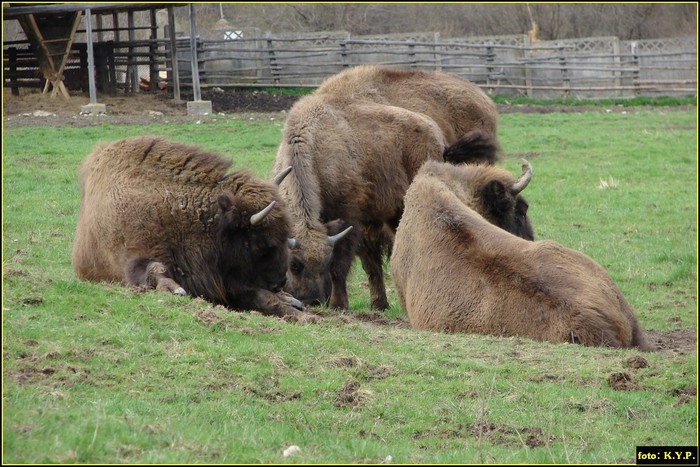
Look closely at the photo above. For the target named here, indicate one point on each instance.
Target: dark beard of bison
(311, 273)
(243, 248)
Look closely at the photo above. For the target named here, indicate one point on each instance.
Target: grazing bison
(164, 215)
(353, 161)
(456, 272)
(456, 105)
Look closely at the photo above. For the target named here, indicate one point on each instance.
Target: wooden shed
(51, 31)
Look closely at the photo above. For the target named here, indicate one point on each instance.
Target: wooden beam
(76, 22)
(13, 12)
(175, 72)
(34, 28)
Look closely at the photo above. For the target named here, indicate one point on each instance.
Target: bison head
(490, 191)
(254, 235)
(505, 207)
(253, 243)
(309, 275)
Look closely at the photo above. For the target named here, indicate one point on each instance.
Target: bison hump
(155, 158)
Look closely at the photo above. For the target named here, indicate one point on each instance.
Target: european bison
(353, 161)
(456, 272)
(162, 215)
(456, 105)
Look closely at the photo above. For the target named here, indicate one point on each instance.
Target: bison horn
(281, 176)
(333, 239)
(256, 218)
(524, 179)
(293, 243)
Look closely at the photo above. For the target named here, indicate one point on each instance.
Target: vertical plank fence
(503, 65)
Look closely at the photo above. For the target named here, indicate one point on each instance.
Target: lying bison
(456, 272)
(456, 105)
(162, 215)
(353, 161)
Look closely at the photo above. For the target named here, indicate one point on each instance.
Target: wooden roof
(15, 10)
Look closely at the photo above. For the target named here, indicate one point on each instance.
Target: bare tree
(554, 20)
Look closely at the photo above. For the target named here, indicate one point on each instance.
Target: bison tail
(640, 340)
(472, 148)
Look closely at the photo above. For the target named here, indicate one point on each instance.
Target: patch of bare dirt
(499, 434)
(637, 362)
(245, 101)
(686, 394)
(682, 341)
(32, 108)
(36, 109)
(351, 395)
(208, 317)
(622, 382)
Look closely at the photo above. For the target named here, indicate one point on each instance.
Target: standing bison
(162, 215)
(353, 160)
(456, 272)
(457, 106)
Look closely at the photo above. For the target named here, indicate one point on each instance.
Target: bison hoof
(285, 297)
(380, 305)
(180, 291)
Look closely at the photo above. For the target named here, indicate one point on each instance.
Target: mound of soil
(245, 101)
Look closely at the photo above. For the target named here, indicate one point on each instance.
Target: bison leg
(150, 274)
(341, 263)
(339, 291)
(370, 253)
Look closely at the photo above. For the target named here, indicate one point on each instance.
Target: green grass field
(97, 373)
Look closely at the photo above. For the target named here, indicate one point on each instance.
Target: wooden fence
(502, 65)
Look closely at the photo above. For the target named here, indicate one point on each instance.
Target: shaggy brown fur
(353, 162)
(355, 145)
(164, 215)
(456, 272)
(455, 104)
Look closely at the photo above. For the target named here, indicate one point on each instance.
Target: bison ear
(336, 226)
(496, 198)
(224, 202)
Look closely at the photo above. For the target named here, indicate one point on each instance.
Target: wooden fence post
(489, 67)
(412, 53)
(12, 55)
(437, 58)
(343, 53)
(131, 81)
(527, 51)
(111, 68)
(635, 64)
(617, 64)
(272, 60)
(152, 47)
(566, 80)
(174, 71)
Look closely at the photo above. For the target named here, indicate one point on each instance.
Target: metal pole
(193, 49)
(91, 59)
